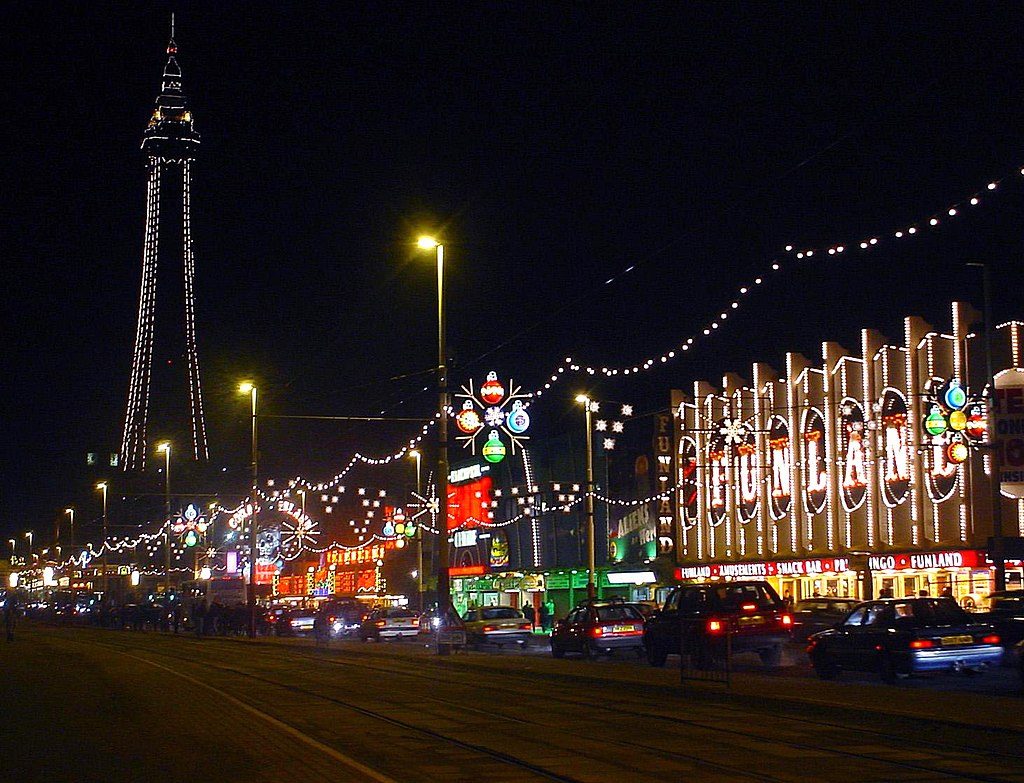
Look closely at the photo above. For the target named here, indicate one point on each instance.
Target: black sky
(553, 145)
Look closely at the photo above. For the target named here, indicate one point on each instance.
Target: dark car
(1006, 614)
(817, 614)
(446, 627)
(340, 617)
(712, 620)
(901, 636)
(598, 627)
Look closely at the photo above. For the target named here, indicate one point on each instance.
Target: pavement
(90, 705)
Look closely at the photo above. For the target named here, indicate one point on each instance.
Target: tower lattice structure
(165, 346)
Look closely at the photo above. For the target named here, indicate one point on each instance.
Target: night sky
(551, 145)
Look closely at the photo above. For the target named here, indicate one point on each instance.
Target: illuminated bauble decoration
(957, 452)
(958, 421)
(178, 527)
(492, 391)
(400, 543)
(468, 420)
(935, 422)
(518, 420)
(389, 529)
(201, 525)
(955, 396)
(191, 513)
(494, 449)
(400, 529)
(410, 530)
(191, 539)
(399, 517)
(977, 424)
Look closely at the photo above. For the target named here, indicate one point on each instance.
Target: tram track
(619, 708)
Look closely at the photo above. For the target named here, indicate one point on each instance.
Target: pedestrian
(10, 615)
(530, 613)
(176, 615)
(947, 592)
(787, 599)
(922, 593)
(199, 617)
(886, 592)
(546, 608)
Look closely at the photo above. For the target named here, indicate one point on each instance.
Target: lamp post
(419, 533)
(102, 487)
(443, 588)
(996, 554)
(29, 535)
(71, 532)
(165, 449)
(247, 387)
(13, 543)
(591, 567)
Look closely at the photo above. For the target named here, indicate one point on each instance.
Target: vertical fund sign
(664, 451)
(1009, 431)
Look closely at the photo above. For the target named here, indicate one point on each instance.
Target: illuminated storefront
(852, 456)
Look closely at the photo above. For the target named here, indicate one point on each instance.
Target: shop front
(794, 580)
(966, 574)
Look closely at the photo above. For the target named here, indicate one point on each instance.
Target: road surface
(90, 705)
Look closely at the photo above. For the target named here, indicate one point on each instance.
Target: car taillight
(992, 638)
(490, 628)
(786, 619)
(749, 607)
(921, 644)
(415, 621)
(331, 619)
(596, 631)
(380, 623)
(525, 626)
(715, 626)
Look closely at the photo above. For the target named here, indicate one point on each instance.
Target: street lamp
(248, 387)
(102, 486)
(418, 574)
(71, 513)
(584, 400)
(165, 449)
(13, 545)
(443, 588)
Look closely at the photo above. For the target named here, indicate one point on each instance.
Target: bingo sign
(1009, 435)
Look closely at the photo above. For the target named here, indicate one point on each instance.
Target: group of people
(541, 616)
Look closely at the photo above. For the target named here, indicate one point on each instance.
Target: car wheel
(824, 668)
(557, 651)
(772, 656)
(656, 655)
(887, 669)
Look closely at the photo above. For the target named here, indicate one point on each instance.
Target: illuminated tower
(166, 361)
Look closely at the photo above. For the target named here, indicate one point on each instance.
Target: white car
(497, 625)
(393, 623)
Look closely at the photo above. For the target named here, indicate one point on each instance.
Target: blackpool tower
(165, 397)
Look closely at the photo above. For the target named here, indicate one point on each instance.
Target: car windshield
(611, 614)
(501, 613)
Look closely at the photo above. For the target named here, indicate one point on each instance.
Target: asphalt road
(88, 705)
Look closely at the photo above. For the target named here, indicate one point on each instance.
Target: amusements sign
(1009, 435)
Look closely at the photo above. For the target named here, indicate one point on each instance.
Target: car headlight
(336, 626)
(436, 622)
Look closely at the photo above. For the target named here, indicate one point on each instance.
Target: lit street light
(247, 387)
(71, 534)
(443, 587)
(102, 486)
(591, 586)
(165, 449)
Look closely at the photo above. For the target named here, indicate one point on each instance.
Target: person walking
(545, 616)
(531, 614)
(199, 617)
(10, 616)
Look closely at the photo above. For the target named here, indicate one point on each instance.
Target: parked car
(294, 622)
(817, 614)
(711, 620)
(340, 617)
(901, 636)
(1006, 614)
(496, 625)
(391, 623)
(598, 627)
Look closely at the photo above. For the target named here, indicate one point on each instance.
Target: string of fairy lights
(569, 366)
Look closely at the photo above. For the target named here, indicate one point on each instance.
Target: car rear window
(735, 596)
(611, 614)
(940, 612)
(812, 606)
(501, 613)
(1008, 603)
(400, 613)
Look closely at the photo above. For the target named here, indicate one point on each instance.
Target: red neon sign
(475, 570)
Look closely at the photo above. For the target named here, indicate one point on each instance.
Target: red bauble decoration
(492, 391)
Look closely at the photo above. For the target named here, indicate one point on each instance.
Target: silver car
(497, 625)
